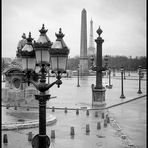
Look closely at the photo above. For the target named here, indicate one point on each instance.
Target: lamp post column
(122, 95)
(98, 92)
(44, 140)
(42, 98)
(99, 42)
(139, 91)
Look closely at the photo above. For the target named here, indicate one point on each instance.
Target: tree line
(116, 62)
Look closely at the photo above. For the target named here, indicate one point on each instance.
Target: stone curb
(27, 124)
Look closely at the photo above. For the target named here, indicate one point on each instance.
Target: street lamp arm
(43, 86)
(58, 82)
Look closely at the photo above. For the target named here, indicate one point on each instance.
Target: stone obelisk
(91, 48)
(83, 46)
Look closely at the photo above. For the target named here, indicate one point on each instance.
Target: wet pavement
(127, 122)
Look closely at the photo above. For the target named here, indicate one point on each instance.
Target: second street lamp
(43, 55)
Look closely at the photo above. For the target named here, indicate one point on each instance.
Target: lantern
(42, 47)
(28, 55)
(59, 53)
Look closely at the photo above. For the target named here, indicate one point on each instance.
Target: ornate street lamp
(41, 56)
(139, 72)
(122, 95)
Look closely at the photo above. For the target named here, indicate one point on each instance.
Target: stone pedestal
(84, 66)
(98, 97)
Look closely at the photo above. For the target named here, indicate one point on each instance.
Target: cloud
(123, 23)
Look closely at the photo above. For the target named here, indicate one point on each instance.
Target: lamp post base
(35, 141)
(98, 97)
(122, 96)
(139, 92)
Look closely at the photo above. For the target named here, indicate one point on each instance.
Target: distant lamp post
(43, 54)
(129, 66)
(114, 71)
(122, 95)
(98, 91)
(139, 72)
(78, 85)
(109, 73)
(124, 73)
(106, 62)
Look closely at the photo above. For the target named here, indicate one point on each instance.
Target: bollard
(27, 108)
(105, 123)
(30, 136)
(102, 115)
(65, 109)
(7, 107)
(5, 139)
(77, 112)
(52, 134)
(53, 110)
(87, 128)
(87, 112)
(123, 136)
(108, 120)
(98, 125)
(96, 114)
(15, 107)
(72, 131)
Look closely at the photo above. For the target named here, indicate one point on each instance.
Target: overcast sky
(123, 23)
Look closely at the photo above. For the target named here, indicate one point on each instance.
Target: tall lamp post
(109, 73)
(139, 72)
(78, 85)
(43, 54)
(122, 95)
(98, 91)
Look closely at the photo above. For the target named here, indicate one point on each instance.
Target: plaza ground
(129, 117)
